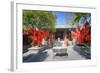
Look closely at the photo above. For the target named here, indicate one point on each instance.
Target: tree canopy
(38, 19)
(79, 16)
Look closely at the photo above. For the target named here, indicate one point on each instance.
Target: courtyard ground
(48, 55)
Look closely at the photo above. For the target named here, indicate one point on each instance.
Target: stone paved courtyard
(47, 55)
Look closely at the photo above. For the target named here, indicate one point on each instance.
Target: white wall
(5, 35)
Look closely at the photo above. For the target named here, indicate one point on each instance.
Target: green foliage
(38, 19)
(78, 16)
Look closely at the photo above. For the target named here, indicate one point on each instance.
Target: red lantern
(39, 38)
(35, 37)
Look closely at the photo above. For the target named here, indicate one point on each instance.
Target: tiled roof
(65, 26)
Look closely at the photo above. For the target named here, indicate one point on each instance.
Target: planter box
(61, 51)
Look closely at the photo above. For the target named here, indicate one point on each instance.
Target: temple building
(61, 30)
